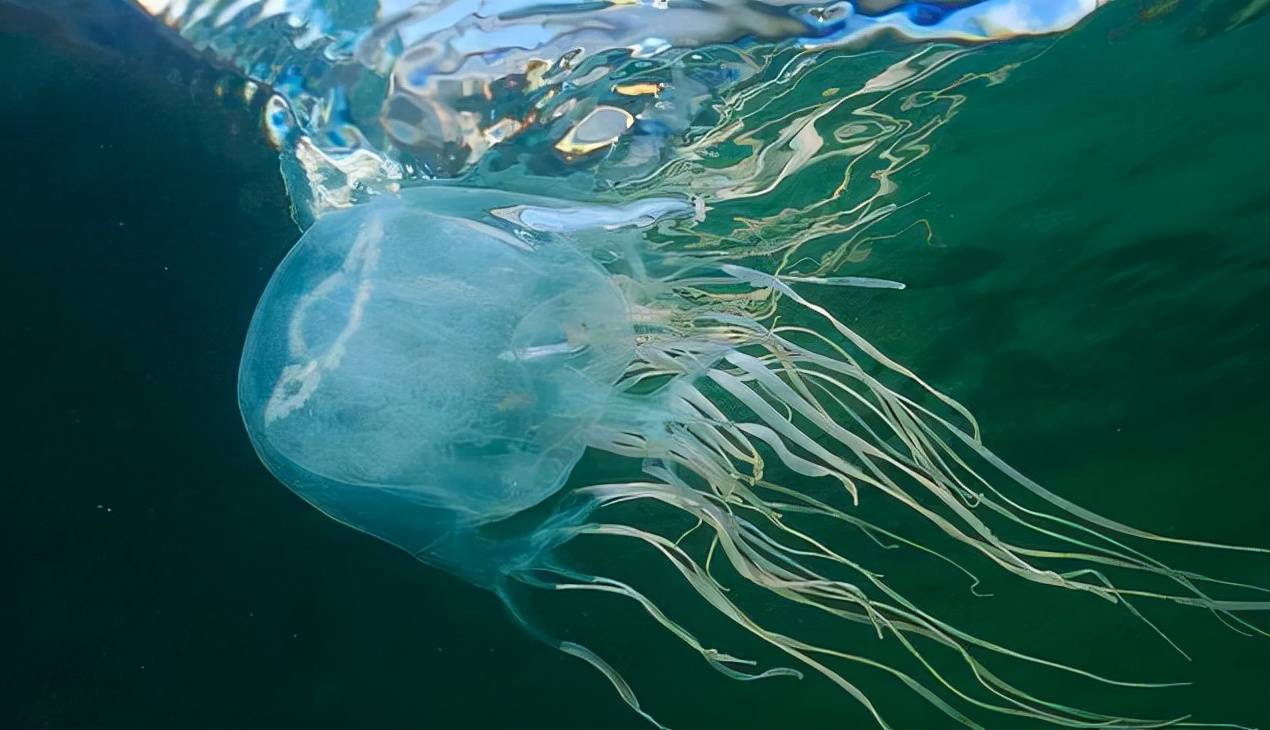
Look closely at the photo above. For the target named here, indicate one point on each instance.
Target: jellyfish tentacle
(786, 398)
(920, 441)
(972, 439)
(761, 408)
(923, 625)
(1129, 558)
(716, 659)
(938, 469)
(760, 571)
(770, 281)
(706, 587)
(574, 649)
(891, 624)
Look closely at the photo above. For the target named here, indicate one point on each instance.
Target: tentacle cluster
(738, 390)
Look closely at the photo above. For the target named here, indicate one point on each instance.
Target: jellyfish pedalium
(429, 368)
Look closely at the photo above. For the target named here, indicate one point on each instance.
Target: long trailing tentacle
(776, 566)
(821, 408)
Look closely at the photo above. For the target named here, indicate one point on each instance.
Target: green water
(1095, 288)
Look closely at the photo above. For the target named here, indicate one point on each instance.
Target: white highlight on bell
(297, 382)
(638, 214)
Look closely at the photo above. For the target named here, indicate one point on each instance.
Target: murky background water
(1087, 249)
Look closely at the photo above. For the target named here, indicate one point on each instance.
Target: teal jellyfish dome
(415, 375)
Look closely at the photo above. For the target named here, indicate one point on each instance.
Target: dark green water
(1097, 292)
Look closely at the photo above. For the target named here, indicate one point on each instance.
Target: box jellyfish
(429, 367)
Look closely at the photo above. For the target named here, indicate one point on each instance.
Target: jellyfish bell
(416, 374)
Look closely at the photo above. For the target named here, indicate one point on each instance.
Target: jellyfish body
(416, 374)
(429, 367)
